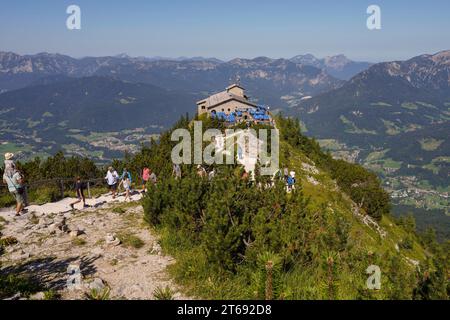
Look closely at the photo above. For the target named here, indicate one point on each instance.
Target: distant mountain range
(394, 118)
(413, 91)
(278, 82)
(338, 66)
(95, 104)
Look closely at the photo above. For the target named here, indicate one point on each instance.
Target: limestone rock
(156, 249)
(20, 255)
(112, 240)
(75, 233)
(97, 284)
(45, 221)
(38, 296)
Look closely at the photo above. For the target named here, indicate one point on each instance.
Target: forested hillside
(234, 238)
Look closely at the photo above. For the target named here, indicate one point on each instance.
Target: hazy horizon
(203, 57)
(236, 30)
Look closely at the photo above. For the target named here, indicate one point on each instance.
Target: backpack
(290, 181)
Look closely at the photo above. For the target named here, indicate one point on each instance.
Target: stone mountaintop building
(232, 105)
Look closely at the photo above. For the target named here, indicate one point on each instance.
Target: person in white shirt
(112, 177)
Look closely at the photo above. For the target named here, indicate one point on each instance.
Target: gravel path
(55, 243)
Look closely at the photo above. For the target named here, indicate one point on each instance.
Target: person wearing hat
(14, 180)
(10, 166)
(112, 178)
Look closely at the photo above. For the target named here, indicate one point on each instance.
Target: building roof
(234, 86)
(225, 96)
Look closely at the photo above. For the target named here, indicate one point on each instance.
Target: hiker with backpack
(125, 174)
(15, 181)
(291, 182)
(112, 178)
(79, 188)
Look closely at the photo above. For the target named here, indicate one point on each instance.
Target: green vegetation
(8, 241)
(13, 284)
(381, 104)
(119, 210)
(40, 174)
(95, 294)
(130, 240)
(427, 105)
(391, 128)
(430, 144)
(330, 144)
(233, 240)
(79, 242)
(163, 293)
(376, 155)
(409, 106)
(352, 128)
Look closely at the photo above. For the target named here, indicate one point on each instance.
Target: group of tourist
(16, 186)
(115, 181)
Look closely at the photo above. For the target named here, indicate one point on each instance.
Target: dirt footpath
(106, 247)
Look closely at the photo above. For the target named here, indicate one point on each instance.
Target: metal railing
(62, 184)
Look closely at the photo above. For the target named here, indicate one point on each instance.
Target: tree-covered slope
(234, 238)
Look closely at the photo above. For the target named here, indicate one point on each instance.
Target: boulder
(45, 221)
(20, 255)
(112, 240)
(97, 284)
(156, 249)
(38, 296)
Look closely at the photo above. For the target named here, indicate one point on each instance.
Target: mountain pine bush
(234, 238)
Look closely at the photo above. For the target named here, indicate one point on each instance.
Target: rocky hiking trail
(107, 243)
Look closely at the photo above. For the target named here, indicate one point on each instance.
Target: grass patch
(51, 295)
(409, 106)
(391, 128)
(8, 241)
(12, 284)
(381, 104)
(6, 200)
(79, 242)
(390, 163)
(119, 210)
(430, 144)
(98, 294)
(352, 128)
(427, 105)
(163, 293)
(130, 240)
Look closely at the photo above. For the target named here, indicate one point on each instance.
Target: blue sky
(227, 29)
